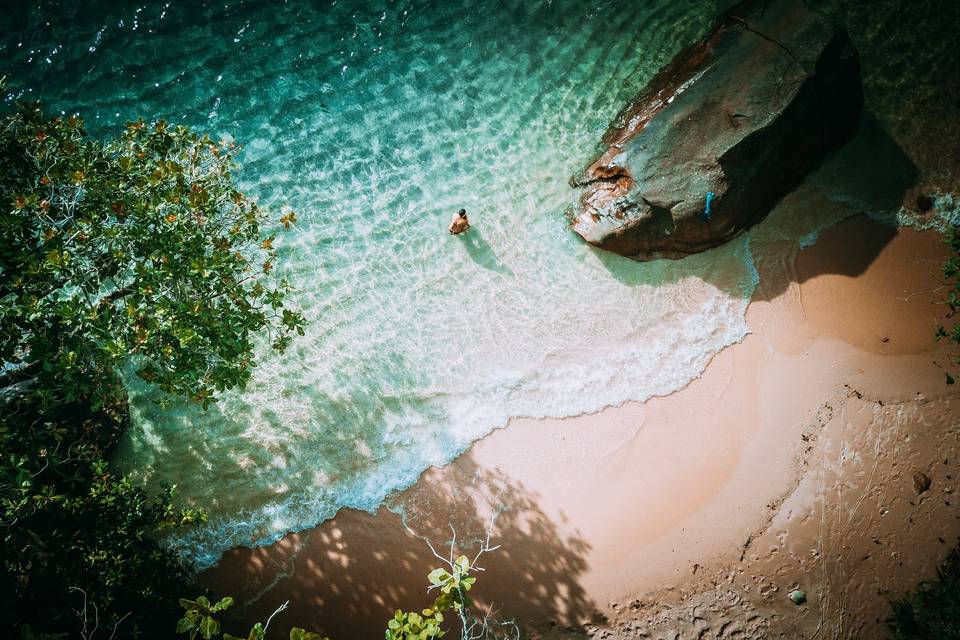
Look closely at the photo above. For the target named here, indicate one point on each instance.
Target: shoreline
(625, 515)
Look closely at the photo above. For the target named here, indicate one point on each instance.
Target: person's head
(463, 213)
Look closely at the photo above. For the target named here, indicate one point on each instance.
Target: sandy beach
(796, 460)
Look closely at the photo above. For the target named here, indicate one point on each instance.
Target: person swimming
(459, 223)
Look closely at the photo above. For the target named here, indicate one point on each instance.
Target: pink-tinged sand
(768, 472)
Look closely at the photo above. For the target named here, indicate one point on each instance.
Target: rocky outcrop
(743, 115)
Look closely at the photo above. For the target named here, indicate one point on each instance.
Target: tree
(69, 526)
(138, 249)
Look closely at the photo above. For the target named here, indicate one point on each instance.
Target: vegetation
(951, 276)
(139, 249)
(71, 531)
(136, 253)
(932, 612)
(452, 581)
(199, 622)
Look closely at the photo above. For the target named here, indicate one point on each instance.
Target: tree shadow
(482, 253)
(346, 577)
(871, 173)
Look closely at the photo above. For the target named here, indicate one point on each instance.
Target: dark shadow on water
(871, 173)
(481, 252)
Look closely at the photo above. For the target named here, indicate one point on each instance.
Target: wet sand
(789, 462)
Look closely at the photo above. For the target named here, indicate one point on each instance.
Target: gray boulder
(744, 114)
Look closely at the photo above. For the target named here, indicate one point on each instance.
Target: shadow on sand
(871, 173)
(346, 577)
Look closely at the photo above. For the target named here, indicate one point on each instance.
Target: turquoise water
(374, 121)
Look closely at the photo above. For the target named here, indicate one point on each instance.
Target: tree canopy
(139, 249)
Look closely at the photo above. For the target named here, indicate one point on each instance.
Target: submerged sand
(789, 463)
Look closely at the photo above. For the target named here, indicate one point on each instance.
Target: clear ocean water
(375, 121)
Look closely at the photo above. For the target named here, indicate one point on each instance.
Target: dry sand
(789, 463)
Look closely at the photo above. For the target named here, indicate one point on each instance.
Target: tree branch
(112, 297)
(279, 609)
(14, 375)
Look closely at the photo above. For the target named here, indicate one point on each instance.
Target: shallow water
(374, 121)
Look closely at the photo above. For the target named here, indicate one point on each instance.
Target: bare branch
(82, 614)
(279, 609)
(453, 542)
(117, 624)
(434, 551)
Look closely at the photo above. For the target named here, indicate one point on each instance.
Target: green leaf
(209, 627)
(438, 576)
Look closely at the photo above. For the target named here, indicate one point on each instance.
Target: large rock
(745, 113)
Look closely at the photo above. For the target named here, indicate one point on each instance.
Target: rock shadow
(346, 577)
(871, 174)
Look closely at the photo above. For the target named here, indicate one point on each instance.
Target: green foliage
(198, 622)
(67, 522)
(951, 275)
(257, 632)
(932, 612)
(198, 619)
(139, 249)
(410, 625)
(300, 634)
(453, 585)
(136, 251)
